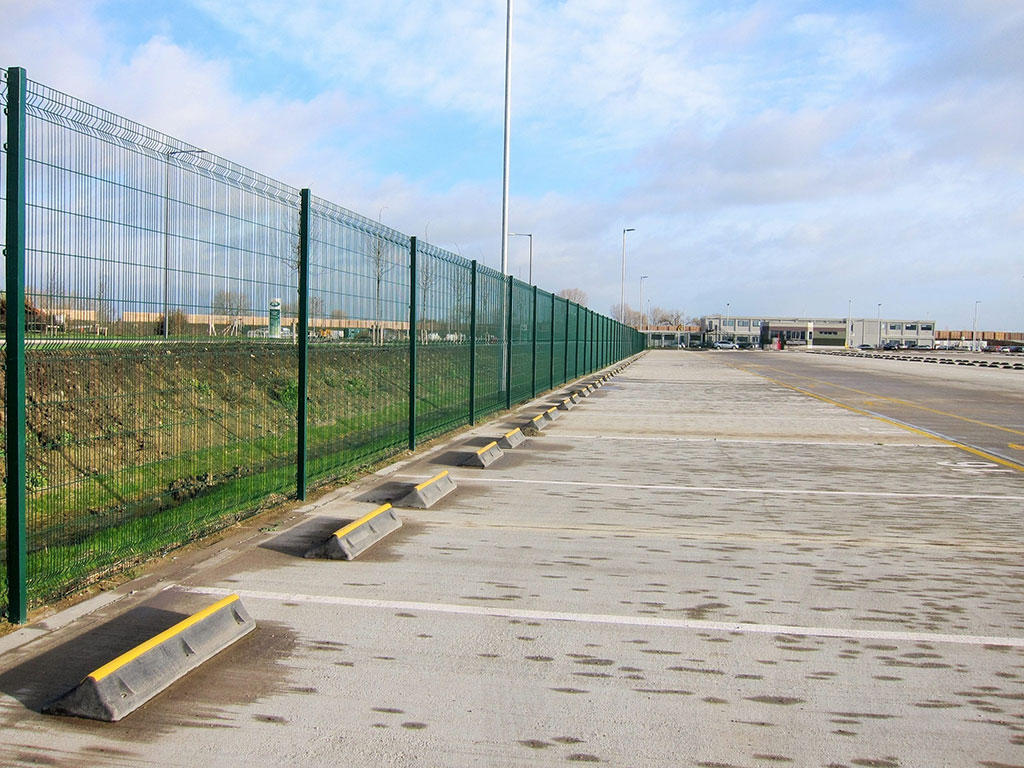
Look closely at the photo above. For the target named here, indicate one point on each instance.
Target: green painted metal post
(533, 358)
(508, 348)
(472, 347)
(302, 415)
(412, 343)
(17, 591)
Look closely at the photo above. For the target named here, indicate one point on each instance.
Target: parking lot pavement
(693, 567)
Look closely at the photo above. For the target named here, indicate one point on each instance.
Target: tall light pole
(508, 125)
(642, 278)
(529, 235)
(879, 326)
(974, 331)
(622, 290)
(167, 227)
(726, 318)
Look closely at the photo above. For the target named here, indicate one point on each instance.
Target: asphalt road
(697, 566)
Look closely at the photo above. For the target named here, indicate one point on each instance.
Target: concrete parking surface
(696, 566)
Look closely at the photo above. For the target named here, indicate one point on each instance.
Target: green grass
(216, 435)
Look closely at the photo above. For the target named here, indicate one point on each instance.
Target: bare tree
(625, 314)
(382, 264)
(574, 294)
(426, 275)
(102, 307)
(662, 316)
(230, 303)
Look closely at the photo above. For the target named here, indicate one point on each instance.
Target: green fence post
(412, 343)
(533, 358)
(302, 416)
(472, 347)
(17, 591)
(508, 348)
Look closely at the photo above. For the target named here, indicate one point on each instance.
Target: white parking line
(748, 441)
(610, 619)
(461, 478)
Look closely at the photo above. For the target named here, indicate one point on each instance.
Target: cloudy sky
(779, 156)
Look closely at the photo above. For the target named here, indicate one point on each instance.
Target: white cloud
(785, 161)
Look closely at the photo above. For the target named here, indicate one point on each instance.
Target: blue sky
(783, 156)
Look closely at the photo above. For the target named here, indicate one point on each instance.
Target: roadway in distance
(978, 408)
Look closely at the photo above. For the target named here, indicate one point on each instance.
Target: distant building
(905, 333)
(763, 330)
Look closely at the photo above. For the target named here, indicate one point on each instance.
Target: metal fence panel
(151, 413)
(443, 282)
(359, 329)
(163, 352)
(522, 341)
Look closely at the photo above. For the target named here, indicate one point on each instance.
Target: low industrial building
(762, 331)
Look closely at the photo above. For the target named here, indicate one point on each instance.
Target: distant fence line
(188, 341)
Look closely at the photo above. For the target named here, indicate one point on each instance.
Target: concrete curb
(485, 456)
(512, 438)
(429, 492)
(536, 424)
(566, 405)
(123, 685)
(358, 536)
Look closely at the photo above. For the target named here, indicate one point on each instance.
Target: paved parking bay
(695, 566)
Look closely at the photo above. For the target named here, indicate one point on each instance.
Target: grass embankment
(133, 451)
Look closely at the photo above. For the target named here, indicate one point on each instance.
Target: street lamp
(726, 319)
(879, 326)
(642, 278)
(974, 331)
(167, 226)
(529, 235)
(622, 290)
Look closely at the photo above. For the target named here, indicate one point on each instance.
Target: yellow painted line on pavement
(1015, 446)
(908, 403)
(915, 430)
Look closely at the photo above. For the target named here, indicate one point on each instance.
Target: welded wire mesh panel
(558, 335)
(572, 346)
(444, 313)
(543, 340)
(162, 357)
(158, 405)
(522, 341)
(358, 399)
(491, 303)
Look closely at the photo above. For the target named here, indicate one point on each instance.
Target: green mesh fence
(168, 352)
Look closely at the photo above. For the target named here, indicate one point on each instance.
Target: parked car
(864, 346)
(726, 345)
